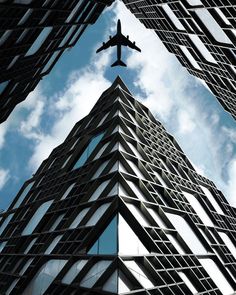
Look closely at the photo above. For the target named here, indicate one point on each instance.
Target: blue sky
(206, 133)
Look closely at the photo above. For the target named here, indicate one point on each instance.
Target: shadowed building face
(33, 37)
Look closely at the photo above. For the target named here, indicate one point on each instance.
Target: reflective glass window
(94, 273)
(87, 152)
(3, 85)
(53, 244)
(107, 242)
(73, 271)
(66, 193)
(39, 40)
(5, 223)
(79, 218)
(217, 276)
(36, 218)
(186, 232)
(44, 277)
(23, 194)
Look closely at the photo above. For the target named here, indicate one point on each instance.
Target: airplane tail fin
(119, 63)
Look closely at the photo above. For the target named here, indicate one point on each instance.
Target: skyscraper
(33, 36)
(118, 209)
(202, 35)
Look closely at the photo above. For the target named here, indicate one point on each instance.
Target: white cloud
(70, 105)
(186, 124)
(4, 176)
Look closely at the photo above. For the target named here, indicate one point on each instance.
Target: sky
(188, 110)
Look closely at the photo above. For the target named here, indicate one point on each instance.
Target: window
(139, 274)
(39, 41)
(134, 246)
(107, 242)
(50, 62)
(228, 243)
(187, 234)
(202, 48)
(36, 218)
(100, 170)
(117, 283)
(137, 191)
(68, 35)
(212, 199)
(23, 270)
(44, 277)
(217, 276)
(13, 62)
(212, 26)
(87, 152)
(74, 271)
(56, 223)
(5, 223)
(189, 57)
(160, 179)
(3, 85)
(73, 12)
(66, 193)
(187, 282)
(2, 245)
(79, 217)
(53, 244)
(5, 36)
(94, 273)
(23, 1)
(97, 215)
(156, 217)
(176, 244)
(25, 17)
(198, 209)
(99, 190)
(138, 215)
(173, 17)
(30, 245)
(23, 195)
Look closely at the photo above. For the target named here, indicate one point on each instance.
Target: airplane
(118, 40)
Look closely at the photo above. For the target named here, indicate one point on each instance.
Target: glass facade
(39, 41)
(44, 277)
(89, 149)
(108, 241)
(36, 218)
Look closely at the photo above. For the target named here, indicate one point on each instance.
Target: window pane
(23, 195)
(198, 208)
(217, 276)
(44, 277)
(39, 41)
(107, 242)
(36, 218)
(139, 274)
(74, 271)
(187, 282)
(134, 246)
(186, 232)
(53, 244)
(5, 223)
(95, 273)
(212, 26)
(66, 193)
(97, 214)
(79, 217)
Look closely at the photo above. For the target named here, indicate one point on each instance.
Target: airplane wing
(127, 42)
(109, 43)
